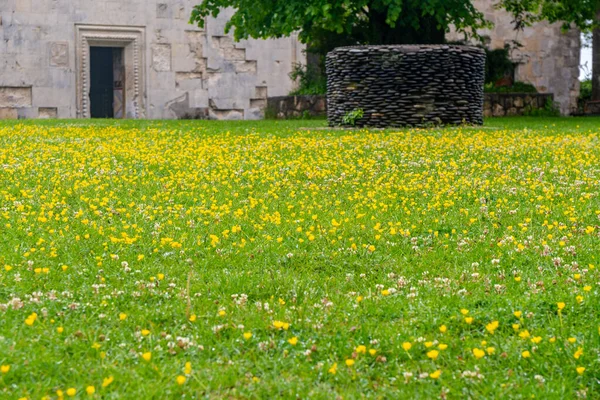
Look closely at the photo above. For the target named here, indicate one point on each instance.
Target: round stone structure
(405, 85)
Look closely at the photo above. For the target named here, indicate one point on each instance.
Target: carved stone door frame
(132, 40)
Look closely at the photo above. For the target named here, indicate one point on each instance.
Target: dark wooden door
(101, 82)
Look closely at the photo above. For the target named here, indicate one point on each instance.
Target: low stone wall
(495, 105)
(509, 104)
(289, 107)
(406, 85)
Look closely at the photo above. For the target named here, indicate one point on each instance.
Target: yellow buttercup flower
(433, 354)
(361, 349)
(492, 326)
(478, 353)
(333, 369)
(524, 334)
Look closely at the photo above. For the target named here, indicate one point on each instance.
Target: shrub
(311, 81)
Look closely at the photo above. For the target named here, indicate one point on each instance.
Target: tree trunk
(381, 33)
(596, 61)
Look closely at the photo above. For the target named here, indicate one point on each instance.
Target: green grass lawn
(156, 259)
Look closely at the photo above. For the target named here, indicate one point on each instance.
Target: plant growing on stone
(352, 116)
(310, 80)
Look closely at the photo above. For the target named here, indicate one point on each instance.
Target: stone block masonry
(288, 107)
(512, 104)
(416, 85)
(494, 105)
(547, 56)
(172, 69)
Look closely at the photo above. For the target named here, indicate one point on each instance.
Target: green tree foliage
(581, 13)
(326, 24)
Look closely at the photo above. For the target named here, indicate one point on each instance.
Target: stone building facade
(133, 59)
(548, 58)
(141, 59)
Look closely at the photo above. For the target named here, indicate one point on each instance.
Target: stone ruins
(133, 59)
(548, 58)
(141, 59)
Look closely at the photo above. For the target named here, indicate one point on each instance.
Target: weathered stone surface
(59, 54)
(547, 56)
(518, 102)
(498, 110)
(161, 57)
(15, 97)
(592, 108)
(503, 104)
(296, 106)
(416, 85)
(166, 58)
(8, 113)
(181, 109)
(48, 113)
(163, 11)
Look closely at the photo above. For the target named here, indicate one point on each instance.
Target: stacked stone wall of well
(398, 85)
(185, 71)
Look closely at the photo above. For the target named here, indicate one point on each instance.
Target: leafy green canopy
(581, 13)
(346, 22)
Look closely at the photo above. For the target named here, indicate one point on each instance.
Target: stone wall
(173, 69)
(510, 104)
(494, 105)
(289, 107)
(406, 85)
(548, 59)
